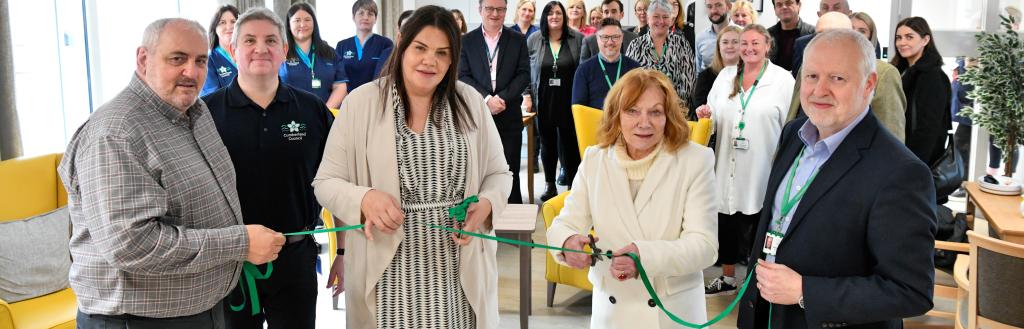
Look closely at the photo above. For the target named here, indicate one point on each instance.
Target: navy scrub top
(296, 73)
(361, 58)
(220, 71)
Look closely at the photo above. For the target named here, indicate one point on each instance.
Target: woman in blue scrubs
(220, 68)
(361, 53)
(312, 65)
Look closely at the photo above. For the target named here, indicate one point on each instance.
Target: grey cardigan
(535, 43)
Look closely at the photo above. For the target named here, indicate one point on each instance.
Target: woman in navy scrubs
(361, 53)
(220, 68)
(312, 65)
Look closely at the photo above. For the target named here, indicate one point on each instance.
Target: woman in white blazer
(749, 103)
(403, 150)
(645, 189)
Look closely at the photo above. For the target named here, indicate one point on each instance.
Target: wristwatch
(341, 252)
(801, 302)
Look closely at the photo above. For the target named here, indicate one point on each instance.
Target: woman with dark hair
(220, 67)
(405, 149)
(554, 56)
(928, 90)
(312, 65)
(361, 53)
(460, 19)
(665, 51)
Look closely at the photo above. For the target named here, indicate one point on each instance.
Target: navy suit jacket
(798, 52)
(513, 72)
(862, 237)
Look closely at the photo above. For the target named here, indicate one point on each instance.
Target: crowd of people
(224, 140)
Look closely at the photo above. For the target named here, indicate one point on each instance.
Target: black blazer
(513, 72)
(861, 237)
(798, 53)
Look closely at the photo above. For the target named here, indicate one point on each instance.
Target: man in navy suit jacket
(856, 249)
(500, 72)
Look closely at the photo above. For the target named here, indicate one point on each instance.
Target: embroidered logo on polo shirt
(348, 55)
(293, 131)
(292, 62)
(224, 72)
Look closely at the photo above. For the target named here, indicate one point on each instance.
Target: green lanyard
(554, 55)
(618, 71)
(745, 102)
(787, 202)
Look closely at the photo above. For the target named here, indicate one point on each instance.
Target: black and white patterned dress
(678, 62)
(421, 286)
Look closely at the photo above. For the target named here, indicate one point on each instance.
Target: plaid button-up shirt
(157, 229)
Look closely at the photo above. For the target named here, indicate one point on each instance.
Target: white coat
(672, 221)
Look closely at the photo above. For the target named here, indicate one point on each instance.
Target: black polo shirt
(276, 153)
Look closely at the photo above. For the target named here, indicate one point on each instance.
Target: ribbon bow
(460, 210)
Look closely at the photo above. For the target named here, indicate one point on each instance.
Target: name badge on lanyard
(771, 242)
(740, 143)
(316, 83)
(555, 82)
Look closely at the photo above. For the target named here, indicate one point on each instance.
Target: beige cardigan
(361, 155)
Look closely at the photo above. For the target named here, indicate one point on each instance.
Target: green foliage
(999, 86)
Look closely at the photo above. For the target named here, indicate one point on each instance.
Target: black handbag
(948, 170)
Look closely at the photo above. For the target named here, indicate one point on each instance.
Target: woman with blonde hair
(743, 13)
(863, 24)
(526, 11)
(748, 103)
(577, 12)
(727, 53)
(640, 10)
(645, 189)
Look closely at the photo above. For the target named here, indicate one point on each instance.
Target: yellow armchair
(31, 187)
(587, 120)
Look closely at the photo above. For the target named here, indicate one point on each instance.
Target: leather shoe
(550, 192)
(561, 177)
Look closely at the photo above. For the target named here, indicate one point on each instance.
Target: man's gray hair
(660, 4)
(151, 37)
(258, 14)
(833, 36)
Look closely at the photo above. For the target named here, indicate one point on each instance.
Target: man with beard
(718, 14)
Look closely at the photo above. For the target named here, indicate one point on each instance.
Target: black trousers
(512, 144)
(212, 318)
(962, 139)
(558, 143)
(735, 236)
(288, 297)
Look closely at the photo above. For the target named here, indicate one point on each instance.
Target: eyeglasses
(497, 10)
(604, 38)
(789, 3)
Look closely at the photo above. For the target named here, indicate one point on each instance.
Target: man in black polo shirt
(275, 135)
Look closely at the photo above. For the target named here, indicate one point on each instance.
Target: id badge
(316, 83)
(740, 143)
(555, 82)
(771, 242)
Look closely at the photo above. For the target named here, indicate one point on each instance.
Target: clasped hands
(622, 268)
(383, 212)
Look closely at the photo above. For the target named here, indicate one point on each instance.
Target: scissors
(598, 254)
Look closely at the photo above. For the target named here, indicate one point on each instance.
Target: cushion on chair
(1000, 282)
(34, 256)
(30, 187)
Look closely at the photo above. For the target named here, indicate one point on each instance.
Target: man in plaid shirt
(158, 238)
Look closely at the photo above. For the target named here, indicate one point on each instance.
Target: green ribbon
(459, 211)
(250, 273)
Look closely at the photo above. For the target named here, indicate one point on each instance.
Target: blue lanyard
(359, 46)
(309, 60)
(226, 55)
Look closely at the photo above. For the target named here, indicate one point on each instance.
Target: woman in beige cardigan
(404, 149)
(645, 189)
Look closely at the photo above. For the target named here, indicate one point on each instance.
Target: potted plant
(999, 87)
